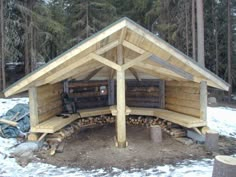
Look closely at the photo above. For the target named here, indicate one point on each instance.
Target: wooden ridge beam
(122, 35)
(105, 61)
(171, 67)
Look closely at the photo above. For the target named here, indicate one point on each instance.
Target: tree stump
(155, 133)
(211, 142)
(224, 166)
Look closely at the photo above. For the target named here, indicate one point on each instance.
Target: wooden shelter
(123, 51)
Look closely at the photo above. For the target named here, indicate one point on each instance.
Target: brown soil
(95, 148)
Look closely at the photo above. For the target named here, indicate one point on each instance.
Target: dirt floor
(95, 148)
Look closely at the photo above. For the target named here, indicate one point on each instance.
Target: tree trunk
(186, 26)
(229, 48)
(224, 166)
(200, 33)
(194, 30)
(26, 45)
(2, 56)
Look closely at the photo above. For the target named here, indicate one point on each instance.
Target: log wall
(183, 97)
(145, 93)
(89, 94)
(49, 101)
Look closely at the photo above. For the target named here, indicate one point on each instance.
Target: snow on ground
(220, 119)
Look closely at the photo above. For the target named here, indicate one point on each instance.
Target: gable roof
(145, 55)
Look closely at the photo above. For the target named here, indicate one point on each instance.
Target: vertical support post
(34, 119)
(121, 105)
(162, 93)
(203, 100)
(111, 92)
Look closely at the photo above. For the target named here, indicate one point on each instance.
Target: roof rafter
(171, 67)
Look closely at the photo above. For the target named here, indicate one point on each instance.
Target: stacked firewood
(56, 143)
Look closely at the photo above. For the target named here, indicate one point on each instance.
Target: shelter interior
(123, 69)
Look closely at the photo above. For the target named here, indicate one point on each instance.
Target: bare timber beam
(121, 104)
(133, 62)
(171, 67)
(133, 71)
(203, 100)
(105, 61)
(133, 47)
(93, 73)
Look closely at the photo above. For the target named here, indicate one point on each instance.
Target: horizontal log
(184, 110)
(91, 105)
(87, 84)
(183, 102)
(140, 99)
(142, 89)
(141, 94)
(85, 94)
(183, 89)
(143, 104)
(194, 97)
(182, 84)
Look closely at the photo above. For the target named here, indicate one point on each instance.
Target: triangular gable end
(151, 54)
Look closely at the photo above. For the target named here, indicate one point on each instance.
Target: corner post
(203, 100)
(121, 105)
(33, 104)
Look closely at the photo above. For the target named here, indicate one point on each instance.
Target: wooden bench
(56, 123)
(175, 117)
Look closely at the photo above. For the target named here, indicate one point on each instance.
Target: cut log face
(156, 134)
(224, 166)
(212, 138)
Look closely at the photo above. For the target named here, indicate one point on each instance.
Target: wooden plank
(171, 67)
(8, 122)
(33, 104)
(107, 47)
(180, 95)
(203, 100)
(182, 90)
(121, 104)
(122, 35)
(133, 47)
(184, 110)
(67, 69)
(133, 62)
(183, 102)
(49, 114)
(105, 61)
(182, 84)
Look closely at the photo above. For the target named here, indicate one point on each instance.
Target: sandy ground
(94, 148)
